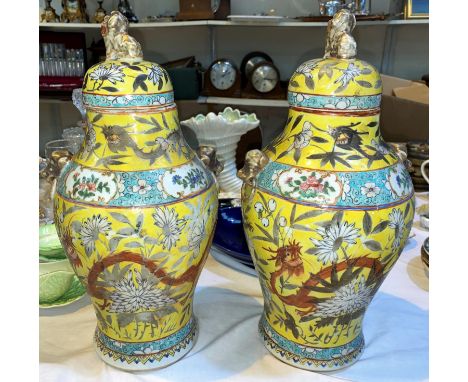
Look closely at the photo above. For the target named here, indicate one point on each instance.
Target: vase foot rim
(280, 352)
(176, 349)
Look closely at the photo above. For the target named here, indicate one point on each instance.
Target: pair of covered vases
(327, 208)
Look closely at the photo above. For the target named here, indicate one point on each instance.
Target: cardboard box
(401, 119)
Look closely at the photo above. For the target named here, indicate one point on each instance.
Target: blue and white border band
(307, 357)
(334, 102)
(146, 348)
(128, 101)
(146, 355)
(345, 190)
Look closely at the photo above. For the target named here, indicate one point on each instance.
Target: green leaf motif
(140, 82)
(319, 140)
(373, 245)
(96, 118)
(367, 223)
(364, 84)
(110, 89)
(294, 83)
(120, 217)
(381, 226)
(309, 81)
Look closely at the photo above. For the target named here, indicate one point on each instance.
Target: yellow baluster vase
(327, 209)
(135, 209)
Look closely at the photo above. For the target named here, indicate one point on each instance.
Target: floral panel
(340, 189)
(138, 188)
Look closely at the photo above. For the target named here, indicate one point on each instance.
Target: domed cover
(120, 84)
(334, 83)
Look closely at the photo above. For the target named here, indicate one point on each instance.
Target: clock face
(251, 64)
(264, 78)
(223, 75)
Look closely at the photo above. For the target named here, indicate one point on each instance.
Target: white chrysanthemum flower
(370, 190)
(170, 224)
(112, 74)
(91, 229)
(348, 299)
(333, 237)
(397, 223)
(129, 297)
(142, 187)
(265, 222)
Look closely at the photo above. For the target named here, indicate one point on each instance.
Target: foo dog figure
(340, 43)
(119, 44)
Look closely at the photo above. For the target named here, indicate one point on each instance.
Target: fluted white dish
(224, 131)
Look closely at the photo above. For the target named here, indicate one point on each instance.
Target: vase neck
(140, 140)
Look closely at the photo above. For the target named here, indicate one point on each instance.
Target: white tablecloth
(228, 305)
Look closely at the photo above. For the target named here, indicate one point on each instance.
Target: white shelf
(293, 24)
(243, 101)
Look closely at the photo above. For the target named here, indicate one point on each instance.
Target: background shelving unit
(396, 47)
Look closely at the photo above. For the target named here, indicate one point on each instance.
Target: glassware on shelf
(57, 60)
(330, 7)
(58, 147)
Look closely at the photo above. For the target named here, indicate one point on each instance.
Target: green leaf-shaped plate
(74, 293)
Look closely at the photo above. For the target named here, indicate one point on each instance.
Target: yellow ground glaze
(133, 141)
(173, 262)
(122, 77)
(326, 76)
(287, 232)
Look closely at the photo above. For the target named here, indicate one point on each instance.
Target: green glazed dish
(49, 243)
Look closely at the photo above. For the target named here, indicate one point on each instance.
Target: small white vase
(224, 131)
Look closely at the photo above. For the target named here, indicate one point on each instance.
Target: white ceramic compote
(224, 131)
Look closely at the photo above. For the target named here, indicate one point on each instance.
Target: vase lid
(125, 79)
(338, 75)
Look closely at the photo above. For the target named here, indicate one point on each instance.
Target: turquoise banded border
(147, 348)
(391, 185)
(309, 352)
(334, 102)
(120, 188)
(128, 101)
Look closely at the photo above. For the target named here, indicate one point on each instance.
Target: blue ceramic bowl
(229, 234)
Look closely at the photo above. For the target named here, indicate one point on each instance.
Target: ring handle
(423, 170)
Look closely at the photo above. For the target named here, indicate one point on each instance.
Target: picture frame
(417, 9)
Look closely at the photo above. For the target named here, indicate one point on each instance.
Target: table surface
(228, 305)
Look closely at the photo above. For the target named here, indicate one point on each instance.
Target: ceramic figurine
(135, 209)
(224, 131)
(49, 15)
(327, 209)
(100, 13)
(126, 9)
(74, 11)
